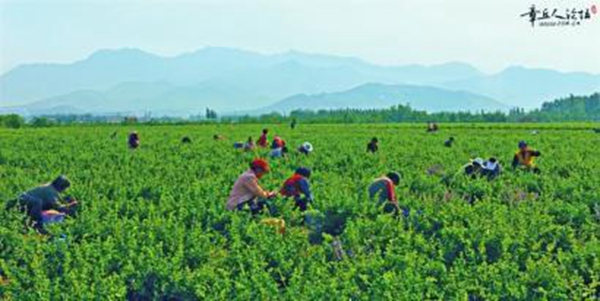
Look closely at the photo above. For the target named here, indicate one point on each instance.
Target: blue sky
(488, 34)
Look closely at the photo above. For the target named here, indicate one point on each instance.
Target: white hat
(490, 165)
(307, 146)
(479, 161)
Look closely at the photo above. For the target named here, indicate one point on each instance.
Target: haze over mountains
(231, 80)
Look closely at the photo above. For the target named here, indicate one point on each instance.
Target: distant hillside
(377, 96)
(529, 88)
(234, 80)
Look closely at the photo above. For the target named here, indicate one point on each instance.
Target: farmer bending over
(306, 148)
(298, 185)
(43, 204)
(383, 189)
(247, 192)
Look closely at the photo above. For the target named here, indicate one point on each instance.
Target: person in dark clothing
(373, 146)
(43, 204)
(186, 140)
(524, 158)
(296, 186)
(134, 140)
(293, 124)
(449, 142)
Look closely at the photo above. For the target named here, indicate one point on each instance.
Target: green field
(153, 224)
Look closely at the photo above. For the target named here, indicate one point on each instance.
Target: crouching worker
(383, 189)
(491, 168)
(373, 146)
(306, 148)
(246, 191)
(477, 167)
(247, 146)
(43, 204)
(524, 158)
(298, 187)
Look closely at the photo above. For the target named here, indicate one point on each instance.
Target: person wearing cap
(306, 148)
(449, 142)
(263, 140)
(43, 203)
(383, 189)
(373, 146)
(134, 140)
(298, 187)
(246, 191)
(525, 157)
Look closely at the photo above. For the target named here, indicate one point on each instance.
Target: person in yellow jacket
(525, 157)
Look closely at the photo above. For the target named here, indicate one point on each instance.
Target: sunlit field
(153, 224)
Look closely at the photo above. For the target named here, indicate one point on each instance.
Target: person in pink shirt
(247, 192)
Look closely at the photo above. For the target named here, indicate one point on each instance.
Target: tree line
(571, 108)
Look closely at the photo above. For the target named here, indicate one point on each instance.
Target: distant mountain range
(231, 80)
(378, 96)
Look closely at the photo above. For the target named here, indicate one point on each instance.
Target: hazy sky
(488, 34)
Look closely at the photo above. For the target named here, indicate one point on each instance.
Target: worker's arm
(535, 153)
(305, 188)
(253, 186)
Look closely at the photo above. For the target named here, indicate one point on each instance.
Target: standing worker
(134, 140)
(263, 140)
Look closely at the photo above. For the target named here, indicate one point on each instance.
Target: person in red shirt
(298, 185)
(277, 143)
(263, 140)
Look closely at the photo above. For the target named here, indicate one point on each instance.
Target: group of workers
(44, 204)
(278, 146)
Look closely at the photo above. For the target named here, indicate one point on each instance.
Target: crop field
(153, 224)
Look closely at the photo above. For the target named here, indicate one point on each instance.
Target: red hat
(260, 163)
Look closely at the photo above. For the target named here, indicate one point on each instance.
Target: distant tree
(12, 121)
(130, 120)
(39, 122)
(211, 114)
